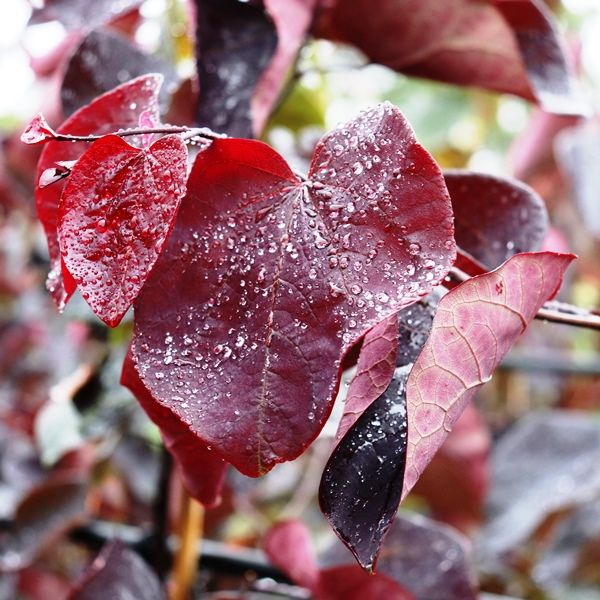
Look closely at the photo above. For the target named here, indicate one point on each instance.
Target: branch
(192, 132)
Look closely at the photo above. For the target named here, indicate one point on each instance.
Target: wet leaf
(545, 463)
(115, 214)
(38, 131)
(292, 20)
(43, 515)
(503, 45)
(495, 217)
(102, 61)
(119, 108)
(362, 482)
(278, 278)
(235, 43)
(202, 471)
(81, 14)
(429, 560)
(119, 574)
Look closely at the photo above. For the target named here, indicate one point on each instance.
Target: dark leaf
(104, 60)
(495, 217)
(118, 109)
(362, 482)
(503, 45)
(545, 463)
(202, 471)
(119, 574)
(279, 278)
(43, 515)
(292, 20)
(235, 42)
(115, 214)
(428, 559)
(81, 14)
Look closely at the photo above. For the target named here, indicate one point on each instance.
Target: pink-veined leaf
(118, 573)
(495, 217)
(114, 217)
(118, 109)
(427, 559)
(235, 43)
(503, 45)
(381, 457)
(292, 20)
(203, 472)
(289, 548)
(277, 278)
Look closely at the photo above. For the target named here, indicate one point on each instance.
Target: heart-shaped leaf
(495, 217)
(277, 278)
(115, 215)
(118, 109)
(381, 457)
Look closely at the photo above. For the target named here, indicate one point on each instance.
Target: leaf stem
(192, 132)
(554, 312)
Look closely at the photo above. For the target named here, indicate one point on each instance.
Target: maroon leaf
(362, 482)
(115, 215)
(235, 42)
(203, 472)
(118, 109)
(81, 14)
(428, 559)
(495, 217)
(44, 514)
(102, 61)
(503, 45)
(475, 325)
(120, 574)
(279, 278)
(292, 20)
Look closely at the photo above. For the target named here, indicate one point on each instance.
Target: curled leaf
(38, 131)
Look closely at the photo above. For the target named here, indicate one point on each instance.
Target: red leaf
(475, 325)
(279, 278)
(38, 131)
(203, 472)
(292, 20)
(503, 45)
(495, 217)
(118, 109)
(374, 371)
(115, 215)
(288, 547)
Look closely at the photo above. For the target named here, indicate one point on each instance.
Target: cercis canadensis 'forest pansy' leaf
(118, 109)
(495, 217)
(115, 215)
(202, 471)
(277, 278)
(235, 42)
(503, 45)
(381, 457)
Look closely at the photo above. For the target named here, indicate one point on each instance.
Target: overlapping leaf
(119, 108)
(277, 278)
(115, 214)
(495, 217)
(381, 457)
(503, 45)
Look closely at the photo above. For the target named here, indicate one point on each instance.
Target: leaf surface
(115, 215)
(503, 45)
(119, 108)
(235, 42)
(118, 573)
(495, 217)
(279, 278)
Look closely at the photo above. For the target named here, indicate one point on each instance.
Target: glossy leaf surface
(503, 45)
(119, 108)
(279, 278)
(495, 217)
(235, 42)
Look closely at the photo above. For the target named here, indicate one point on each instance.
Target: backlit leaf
(277, 278)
